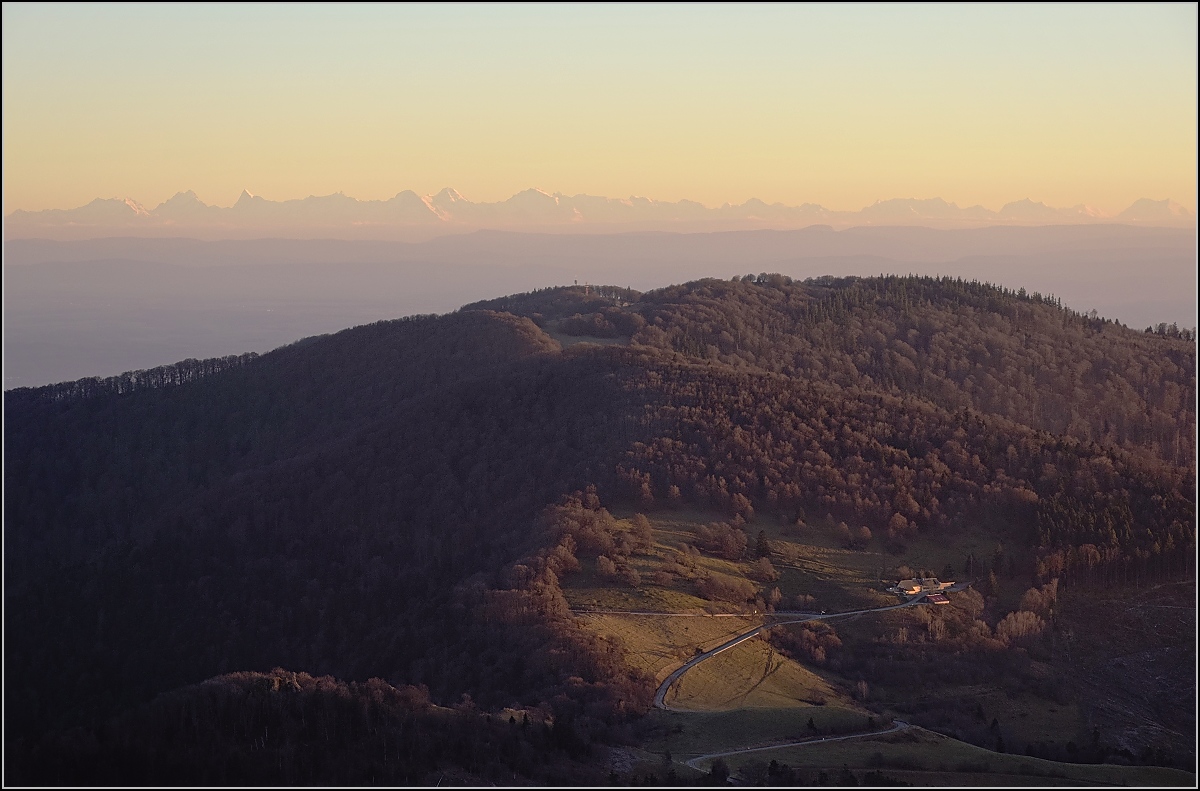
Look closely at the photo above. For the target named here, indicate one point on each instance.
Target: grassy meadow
(754, 695)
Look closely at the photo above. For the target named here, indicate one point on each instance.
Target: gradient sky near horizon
(839, 105)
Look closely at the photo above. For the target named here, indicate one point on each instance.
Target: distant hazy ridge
(411, 216)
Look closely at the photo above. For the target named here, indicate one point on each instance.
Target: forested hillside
(956, 344)
(291, 728)
(388, 502)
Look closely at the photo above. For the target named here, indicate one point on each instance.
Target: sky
(839, 105)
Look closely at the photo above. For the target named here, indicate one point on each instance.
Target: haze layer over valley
(96, 307)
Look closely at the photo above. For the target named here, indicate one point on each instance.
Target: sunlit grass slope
(750, 675)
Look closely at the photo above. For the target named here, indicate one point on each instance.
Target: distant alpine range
(409, 215)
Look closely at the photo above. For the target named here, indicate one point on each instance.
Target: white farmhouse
(920, 585)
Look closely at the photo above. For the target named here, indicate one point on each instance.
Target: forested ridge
(381, 503)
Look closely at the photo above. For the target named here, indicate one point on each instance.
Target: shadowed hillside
(401, 500)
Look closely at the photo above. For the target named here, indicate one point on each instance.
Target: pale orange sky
(830, 104)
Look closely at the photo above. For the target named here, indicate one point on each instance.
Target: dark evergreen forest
(390, 508)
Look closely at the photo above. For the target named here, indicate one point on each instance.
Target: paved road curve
(897, 725)
(778, 619)
(660, 697)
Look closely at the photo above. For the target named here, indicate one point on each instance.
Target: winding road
(660, 696)
(778, 619)
(897, 725)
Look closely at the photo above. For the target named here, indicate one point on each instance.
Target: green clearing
(659, 644)
(1036, 719)
(751, 675)
(837, 578)
(923, 752)
(690, 733)
(1000, 780)
(750, 695)
(593, 594)
(566, 340)
(817, 547)
(586, 588)
(811, 560)
(647, 764)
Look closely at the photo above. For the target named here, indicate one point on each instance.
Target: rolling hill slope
(400, 500)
